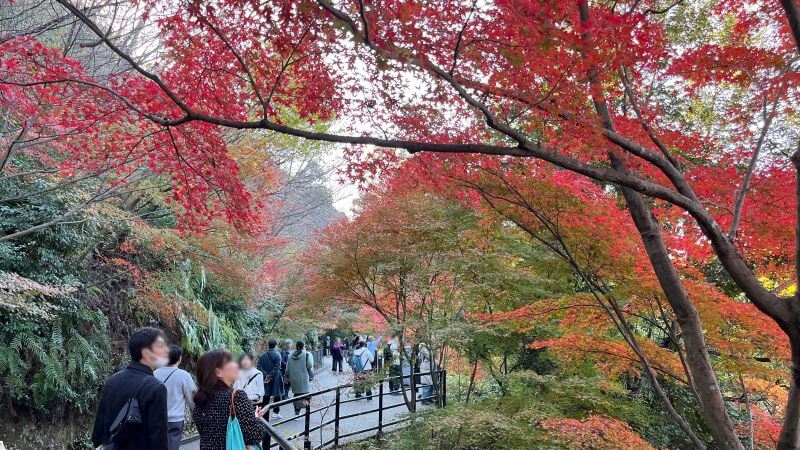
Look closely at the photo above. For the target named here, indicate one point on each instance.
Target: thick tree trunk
(712, 404)
(790, 433)
(630, 338)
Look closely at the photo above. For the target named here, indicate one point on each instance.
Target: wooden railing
(276, 439)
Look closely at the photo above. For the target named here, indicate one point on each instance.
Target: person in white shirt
(362, 365)
(251, 380)
(180, 389)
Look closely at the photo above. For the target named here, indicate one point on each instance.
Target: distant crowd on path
(362, 353)
(143, 405)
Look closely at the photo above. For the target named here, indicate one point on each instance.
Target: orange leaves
(737, 329)
(612, 356)
(595, 432)
(766, 428)
(392, 258)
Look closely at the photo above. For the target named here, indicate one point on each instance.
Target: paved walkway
(325, 379)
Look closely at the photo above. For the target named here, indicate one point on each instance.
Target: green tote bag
(234, 439)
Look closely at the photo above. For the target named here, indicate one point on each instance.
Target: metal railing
(280, 441)
(275, 439)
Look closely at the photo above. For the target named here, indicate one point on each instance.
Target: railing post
(306, 432)
(336, 418)
(412, 385)
(444, 387)
(266, 441)
(437, 386)
(380, 408)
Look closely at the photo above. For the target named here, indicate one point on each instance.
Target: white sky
(344, 194)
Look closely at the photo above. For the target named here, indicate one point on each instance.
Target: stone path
(325, 379)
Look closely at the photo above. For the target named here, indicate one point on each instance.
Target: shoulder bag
(234, 439)
(128, 419)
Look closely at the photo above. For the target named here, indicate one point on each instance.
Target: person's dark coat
(212, 420)
(135, 381)
(284, 359)
(270, 364)
(336, 351)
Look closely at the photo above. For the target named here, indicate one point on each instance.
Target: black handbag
(128, 419)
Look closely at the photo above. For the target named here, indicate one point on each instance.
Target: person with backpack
(224, 416)
(361, 362)
(251, 380)
(299, 370)
(132, 413)
(180, 390)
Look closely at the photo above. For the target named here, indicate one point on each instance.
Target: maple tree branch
(28, 173)
(460, 36)
(256, 90)
(526, 147)
(629, 358)
(604, 300)
(751, 167)
(15, 143)
(688, 202)
(666, 167)
(711, 400)
(93, 84)
(285, 66)
(744, 277)
(136, 66)
(63, 217)
(66, 182)
(363, 15)
(650, 132)
(671, 326)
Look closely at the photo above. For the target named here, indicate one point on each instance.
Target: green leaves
(56, 366)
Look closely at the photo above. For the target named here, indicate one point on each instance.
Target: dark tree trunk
(712, 404)
(790, 433)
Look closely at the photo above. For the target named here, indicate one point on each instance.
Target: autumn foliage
(649, 146)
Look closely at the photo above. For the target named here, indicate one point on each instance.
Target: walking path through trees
(325, 379)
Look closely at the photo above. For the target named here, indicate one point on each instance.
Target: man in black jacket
(270, 366)
(149, 351)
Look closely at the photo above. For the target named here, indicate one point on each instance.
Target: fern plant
(54, 366)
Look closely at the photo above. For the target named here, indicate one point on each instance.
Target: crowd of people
(366, 354)
(143, 405)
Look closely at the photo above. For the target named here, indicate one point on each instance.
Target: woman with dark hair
(251, 381)
(215, 401)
